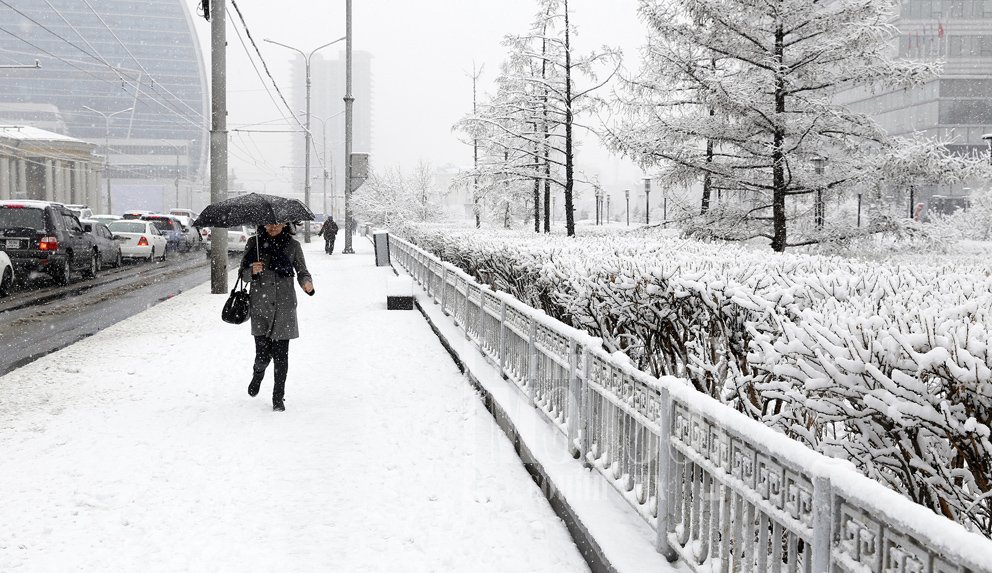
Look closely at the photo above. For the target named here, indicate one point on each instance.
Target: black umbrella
(253, 209)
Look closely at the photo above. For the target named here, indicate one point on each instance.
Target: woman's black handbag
(238, 305)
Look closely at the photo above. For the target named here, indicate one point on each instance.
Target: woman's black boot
(255, 384)
(277, 405)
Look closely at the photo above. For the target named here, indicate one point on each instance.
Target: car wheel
(151, 257)
(165, 253)
(91, 271)
(119, 260)
(6, 282)
(62, 273)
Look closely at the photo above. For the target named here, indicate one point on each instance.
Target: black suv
(46, 237)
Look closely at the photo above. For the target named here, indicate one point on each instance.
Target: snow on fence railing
(729, 493)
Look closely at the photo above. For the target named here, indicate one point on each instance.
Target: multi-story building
(327, 123)
(127, 75)
(954, 106)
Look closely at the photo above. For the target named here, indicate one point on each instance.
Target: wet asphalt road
(43, 318)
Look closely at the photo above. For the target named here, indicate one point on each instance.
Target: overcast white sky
(423, 53)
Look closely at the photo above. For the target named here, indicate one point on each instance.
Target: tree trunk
(707, 179)
(569, 167)
(546, 134)
(778, 156)
(537, 184)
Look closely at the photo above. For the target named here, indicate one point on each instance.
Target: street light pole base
(348, 251)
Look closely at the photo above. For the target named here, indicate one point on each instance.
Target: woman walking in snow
(271, 259)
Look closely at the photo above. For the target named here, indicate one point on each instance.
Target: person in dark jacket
(329, 231)
(272, 258)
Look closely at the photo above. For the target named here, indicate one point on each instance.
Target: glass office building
(128, 69)
(957, 104)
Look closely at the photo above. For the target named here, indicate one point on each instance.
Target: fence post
(822, 523)
(480, 326)
(587, 397)
(468, 335)
(444, 290)
(665, 476)
(502, 338)
(532, 361)
(574, 403)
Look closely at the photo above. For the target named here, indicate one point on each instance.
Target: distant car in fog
(105, 219)
(135, 214)
(81, 211)
(6, 275)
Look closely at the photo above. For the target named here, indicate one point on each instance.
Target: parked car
(105, 219)
(46, 237)
(190, 233)
(237, 237)
(81, 211)
(139, 239)
(136, 214)
(170, 226)
(106, 244)
(185, 213)
(6, 275)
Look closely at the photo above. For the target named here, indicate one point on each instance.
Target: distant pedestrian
(329, 231)
(271, 259)
(354, 225)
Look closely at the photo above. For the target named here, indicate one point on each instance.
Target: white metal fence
(729, 494)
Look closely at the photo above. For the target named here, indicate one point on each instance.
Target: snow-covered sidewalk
(139, 449)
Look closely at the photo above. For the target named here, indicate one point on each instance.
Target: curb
(584, 541)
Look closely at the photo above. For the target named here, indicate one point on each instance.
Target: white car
(6, 275)
(237, 237)
(139, 239)
(81, 211)
(105, 219)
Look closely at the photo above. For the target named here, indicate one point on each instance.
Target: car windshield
(127, 227)
(22, 218)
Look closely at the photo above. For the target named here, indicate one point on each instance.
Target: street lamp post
(626, 195)
(607, 208)
(106, 147)
(599, 200)
(647, 200)
(177, 148)
(308, 136)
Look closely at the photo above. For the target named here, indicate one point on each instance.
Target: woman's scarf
(278, 250)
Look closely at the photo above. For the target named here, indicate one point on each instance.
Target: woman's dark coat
(273, 297)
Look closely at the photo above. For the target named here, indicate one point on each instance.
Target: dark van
(46, 237)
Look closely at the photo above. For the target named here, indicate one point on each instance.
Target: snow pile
(886, 366)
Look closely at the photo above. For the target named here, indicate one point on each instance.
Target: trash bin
(381, 241)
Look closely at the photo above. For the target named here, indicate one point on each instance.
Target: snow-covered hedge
(888, 367)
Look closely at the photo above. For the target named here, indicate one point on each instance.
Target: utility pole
(106, 145)
(349, 102)
(218, 143)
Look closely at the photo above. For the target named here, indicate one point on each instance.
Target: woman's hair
(288, 229)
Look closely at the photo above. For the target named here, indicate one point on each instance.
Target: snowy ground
(139, 449)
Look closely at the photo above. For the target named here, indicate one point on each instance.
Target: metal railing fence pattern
(722, 491)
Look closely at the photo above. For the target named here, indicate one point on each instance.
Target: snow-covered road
(138, 449)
